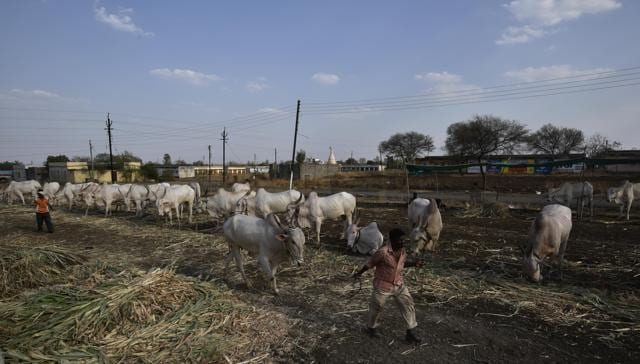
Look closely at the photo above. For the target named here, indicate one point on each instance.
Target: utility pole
(114, 176)
(209, 169)
(224, 139)
(275, 163)
(295, 140)
(91, 156)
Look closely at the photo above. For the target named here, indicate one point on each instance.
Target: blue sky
(172, 74)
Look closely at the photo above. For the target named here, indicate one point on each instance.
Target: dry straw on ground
(111, 315)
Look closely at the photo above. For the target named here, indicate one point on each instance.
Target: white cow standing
(87, 194)
(18, 189)
(225, 203)
(157, 189)
(315, 210)
(139, 194)
(109, 194)
(239, 187)
(173, 198)
(548, 235)
(426, 224)
(267, 239)
(267, 202)
(568, 191)
(50, 189)
(364, 240)
(624, 196)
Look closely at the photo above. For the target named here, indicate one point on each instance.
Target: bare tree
(556, 141)
(484, 135)
(598, 144)
(407, 146)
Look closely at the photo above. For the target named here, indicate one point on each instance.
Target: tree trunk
(484, 177)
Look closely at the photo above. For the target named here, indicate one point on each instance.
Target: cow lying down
(266, 239)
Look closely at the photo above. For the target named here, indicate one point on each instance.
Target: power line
(582, 75)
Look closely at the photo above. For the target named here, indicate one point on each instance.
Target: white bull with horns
(364, 240)
(173, 198)
(624, 196)
(267, 202)
(426, 223)
(225, 203)
(568, 191)
(267, 239)
(18, 189)
(315, 210)
(548, 235)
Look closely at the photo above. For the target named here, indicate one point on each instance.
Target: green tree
(556, 141)
(407, 146)
(6, 165)
(301, 156)
(199, 163)
(149, 171)
(482, 136)
(166, 159)
(57, 158)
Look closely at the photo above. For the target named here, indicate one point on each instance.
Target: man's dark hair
(395, 234)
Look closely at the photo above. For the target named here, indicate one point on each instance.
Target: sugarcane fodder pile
(24, 267)
(155, 316)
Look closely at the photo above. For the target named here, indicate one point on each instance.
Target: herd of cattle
(252, 222)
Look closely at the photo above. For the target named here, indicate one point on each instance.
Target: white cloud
(444, 82)
(325, 78)
(258, 86)
(190, 76)
(531, 74)
(270, 109)
(514, 35)
(553, 12)
(121, 21)
(35, 93)
(539, 16)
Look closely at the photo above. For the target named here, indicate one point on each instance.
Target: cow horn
(299, 198)
(165, 192)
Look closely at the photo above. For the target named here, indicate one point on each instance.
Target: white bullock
(108, 194)
(87, 194)
(267, 240)
(267, 202)
(225, 203)
(50, 189)
(567, 192)
(364, 240)
(139, 194)
(157, 189)
(624, 196)
(426, 224)
(239, 187)
(173, 198)
(548, 235)
(317, 209)
(18, 189)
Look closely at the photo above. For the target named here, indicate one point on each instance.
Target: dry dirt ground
(473, 305)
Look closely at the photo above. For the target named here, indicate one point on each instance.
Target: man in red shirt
(389, 262)
(42, 212)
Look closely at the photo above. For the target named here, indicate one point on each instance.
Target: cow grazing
(139, 194)
(548, 235)
(426, 224)
(239, 187)
(224, 203)
(18, 189)
(567, 192)
(624, 196)
(50, 189)
(364, 240)
(315, 210)
(267, 202)
(108, 194)
(267, 240)
(87, 194)
(173, 198)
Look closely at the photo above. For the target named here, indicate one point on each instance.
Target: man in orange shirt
(389, 262)
(42, 212)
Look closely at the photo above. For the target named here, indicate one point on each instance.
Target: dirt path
(472, 303)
